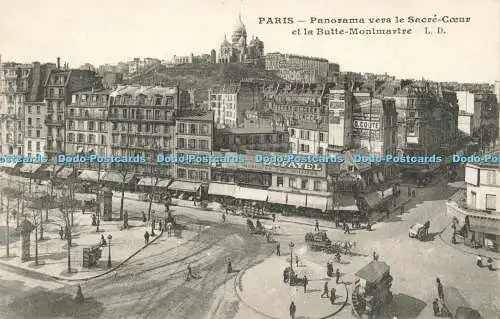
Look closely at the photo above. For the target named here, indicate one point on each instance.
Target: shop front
(185, 189)
(115, 180)
(484, 231)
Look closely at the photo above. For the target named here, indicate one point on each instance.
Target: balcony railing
(54, 122)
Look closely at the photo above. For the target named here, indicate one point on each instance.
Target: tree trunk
(7, 235)
(41, 226)
(122, 201)
(36, 244)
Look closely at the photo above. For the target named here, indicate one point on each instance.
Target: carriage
(419, 231)
(256, 229)
(292, 277)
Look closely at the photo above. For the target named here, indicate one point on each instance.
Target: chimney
(58, 62)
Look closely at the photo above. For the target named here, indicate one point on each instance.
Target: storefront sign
(366, 125)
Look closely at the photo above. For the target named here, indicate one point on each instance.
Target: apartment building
(309, 138)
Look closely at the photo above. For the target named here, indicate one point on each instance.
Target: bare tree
(66, 206)
(37, 221)
(124, 171)
(10, 193)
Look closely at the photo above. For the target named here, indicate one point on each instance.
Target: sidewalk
(52, 251)
(262, 289)
(445, 237)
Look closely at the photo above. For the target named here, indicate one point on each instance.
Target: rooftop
(136, 90)
(322, 127)
(99, 91)
(196, 115)
(257, 130)
(373, 272)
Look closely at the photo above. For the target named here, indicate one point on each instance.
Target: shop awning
(373, 199)
(8, 164)
(297, 200)
(30, 168)
(221, 189)
(52, 168)
(183, 186)
(485, 225)
(89, 176)
(374, 271)
(317, 202)
(251, 194)
(65, 172)
(151, 181)
(345, 203)
(277, 197)
(116, 177)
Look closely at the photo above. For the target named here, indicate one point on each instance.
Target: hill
(201, 77)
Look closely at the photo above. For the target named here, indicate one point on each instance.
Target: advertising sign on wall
(366, 126)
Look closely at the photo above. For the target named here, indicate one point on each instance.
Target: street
(154, 287)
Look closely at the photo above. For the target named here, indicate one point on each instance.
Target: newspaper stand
(91, 255)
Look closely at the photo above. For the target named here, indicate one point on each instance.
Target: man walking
(293, 309)
(440, 289)
(316, 228)
(325, 290)
(435, 307)
(146, 237)
(333, 295)
(305, 284)
(337, 275)
(297, 261)
(278, 253)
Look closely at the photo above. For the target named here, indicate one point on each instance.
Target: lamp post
(291, 245)
(109, 250)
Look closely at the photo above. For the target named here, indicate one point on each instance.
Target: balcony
(56, 122)
(96, 117)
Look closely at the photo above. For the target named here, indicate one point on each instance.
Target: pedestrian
(274, 217)
(453, 239)
(440, 289)
(325, 290)
(352, 223)
(454, 226)
(337, 275)
(297, 261)
(61, 233)
(305, 284)
(375, 256)
(144, 217)
(402, 210)
(146, 237)
(316, 228)
(103, 241)
(278, 253)
(293, 309)
(194, 201)
(413, 193)
(409, 191)
(435, 307)
(285, 276)
(79, 295)
(333, 295)
(479, 261)
(346, 229)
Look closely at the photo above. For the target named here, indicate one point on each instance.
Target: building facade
(35, 133)
(258, 139)
(194, 133)
(59, 86)
(142, 123)
(297, 68)
(309, 138)
(340, 108)
(478, 213)
(231, 102)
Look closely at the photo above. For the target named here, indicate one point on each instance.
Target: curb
(107, 272)
(238, 284)
(459, 249)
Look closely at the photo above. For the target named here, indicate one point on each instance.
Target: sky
(109, 31)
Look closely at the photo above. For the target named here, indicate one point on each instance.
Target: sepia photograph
(247, 159)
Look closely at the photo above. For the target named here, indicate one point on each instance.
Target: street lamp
(291, 245)
(109, 250)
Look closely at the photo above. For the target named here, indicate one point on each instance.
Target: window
(204, 129)
(29, 121)
(279, 181)
(29, 109)
(491, 178)
(181, 143)
(37, 146)
(292, 182)
(317, 186)
(29, 146)
(192, 144)
(192, 174)
(292, 133)
(411, 129)
(38, 122)
(71, 137)
(203, 145)
(303, 183)
(491, 202)
(158, 100)
(473, 200)
(321, 137)
(181, 173)
(30, 133)
(91, 126)
(304, 148)
(37, 133)
(91, 139)
(182, 128)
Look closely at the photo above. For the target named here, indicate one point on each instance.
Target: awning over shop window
(297, 200)
(277, 197)
(373, 199)
(65, 172)
(8, 164)
(116, 177)
(221, 189)
(151, 181)
(89, 176)
(184, 186)
(30, 168)
(317, 202)
(345, 203)
(251, 194)
(52, 168)
(485, 225)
